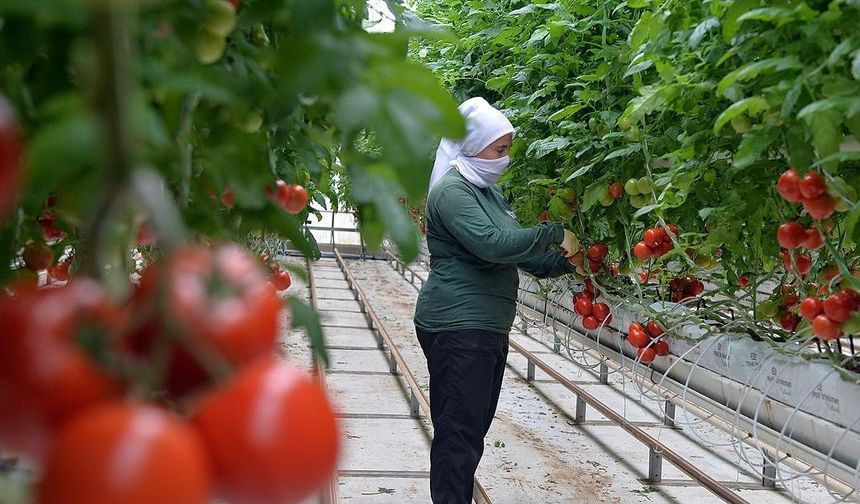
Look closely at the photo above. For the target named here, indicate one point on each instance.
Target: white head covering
(484, 125)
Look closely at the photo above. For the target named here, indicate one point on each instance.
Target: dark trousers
(466, 370)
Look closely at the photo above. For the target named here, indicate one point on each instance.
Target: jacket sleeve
(549, 265)
(469, 224)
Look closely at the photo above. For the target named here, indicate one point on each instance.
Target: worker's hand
(570, 245)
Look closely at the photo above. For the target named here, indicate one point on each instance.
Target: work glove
(570, 245)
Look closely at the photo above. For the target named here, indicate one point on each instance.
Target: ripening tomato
(789, 186)
(295, 199)
(583, 306)
(214, 300)
(810, 308)
(601, 311)
(642, 251)
(673, 229)
(821, 207)
(616, 190)
(646, 355)
(661, 348)
(10, 158)
(826, 329)
(638, 338)
(45, 375)
(271, 434)
(812, 185)
(228, 199)
(654, 329)
(837, 308)
(790, 235)
(129, 453)
(591, 323)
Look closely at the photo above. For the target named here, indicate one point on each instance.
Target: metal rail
(657, 450)
(417, 398)
(330, 493)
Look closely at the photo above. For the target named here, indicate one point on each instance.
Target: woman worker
(467, 306)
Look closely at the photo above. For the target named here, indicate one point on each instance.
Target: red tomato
(821, 207)
(743, 282)
(788, 321)
(826, 329)
(134, 454)
(595, 266)
(295, 199)
(10, 158)
(635, 326)
(61, 270)
(591, 323)
(661, 234)
(810, 308)
(789, 186)
(664, 248)
(812, 240)
(673, 229)
(790, 235)
(812, 185)
(837, 308)
(804, 263)
(616, 190)
(790, 301)
(50, 231)
(544, 216)
(637, 338)
(583, 306)
(661, 348)
(642, 251)
(697, 287)
(45, 376)
(598, 252)
(852, 298)
(38, 256)
(601, 311)
(145, 235)
(281, 280)
(215, 300)
(646, 355)
(589, 286)
(651, 237)
(228, 199)
(271, 434)
(654, 329)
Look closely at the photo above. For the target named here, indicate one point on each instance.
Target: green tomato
(768, 309)
(559, 211)
(624, 123)
(638, 201)
(852, 325)
(221, 18)
(252, 123)
(209, 47)
(644, 185)
(568, 194)
(710, 176)
(630, 187)
(606, 199)
(741, 124)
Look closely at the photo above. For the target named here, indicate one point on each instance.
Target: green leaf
(791, 99)
(648, 26)
(374, 185)
(593, 193)
(826, 126)
(653, 98)
(646, 210)
(851, 228)
(638, 4)
(753, 145)
(853, 124)
(303, 316)
(701, 30)
(800, 151)
(841, 50)
(847, 106)
(639, 67)
(753, 70)
(730, 20)
(565, 112)
(498, 83)
(630, 149)
(544, 146)
(781, 15)
(581, 171)
(749, 106)
(855, 65)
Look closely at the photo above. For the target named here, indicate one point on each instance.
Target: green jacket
(475, 246)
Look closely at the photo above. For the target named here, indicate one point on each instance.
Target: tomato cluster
(211, 40)
(810, 190)
(833, 315)
(293, 198)
(685, 288)
(177, 388)
(656, 242)
(647, 340)
(593, 314)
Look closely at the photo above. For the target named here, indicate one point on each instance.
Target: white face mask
(481, 172)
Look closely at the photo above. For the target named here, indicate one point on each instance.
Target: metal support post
(768, 470)
(655, 466)
(669, 414)
(580, 410)
(530, 372)
(604, 373)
